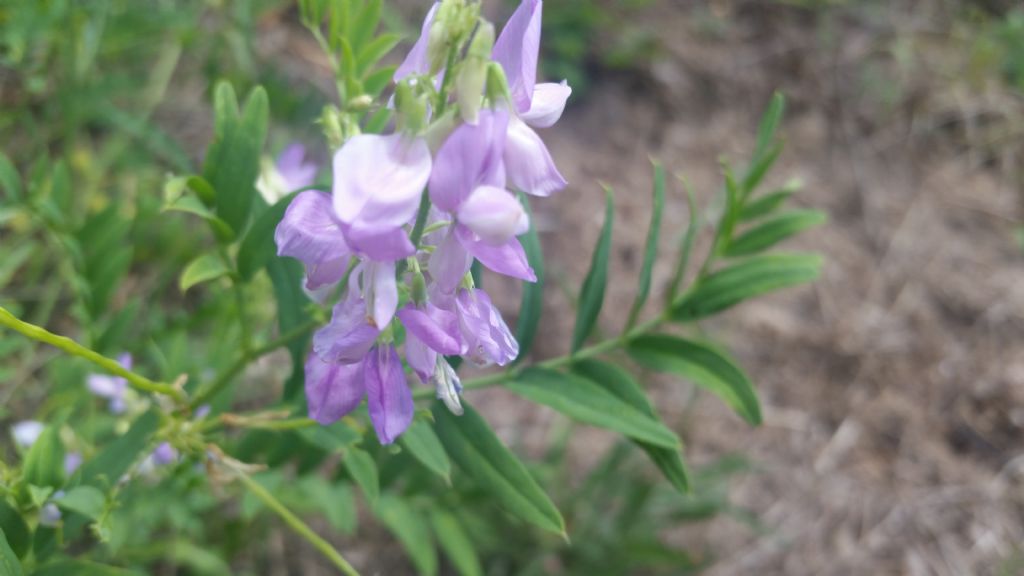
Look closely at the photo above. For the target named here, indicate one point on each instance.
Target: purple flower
(290, 172)
(310, 232)
(417, 61)
(378, 181)
(26, 432)
(334, 389)
(349, 334)
(468, 181)
(485, 333)
(429, 331)
(527, 160)
(49, 514)
(111, 387)
(72, 460)
(164, 454)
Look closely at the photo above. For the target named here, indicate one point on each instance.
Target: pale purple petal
(104, 386)
(332, 389)
(516, 50)
(388, 396)
(470, 157)
(528, 163)
(384, 290)
(72, 460)
(437, 328)
(164, 454)
(487, 335)
(294, 170)
(125, 360)
(449, 262)
(381, 245)
(349, 334)
(448, 386)
(49, 515)
(378, 181)
(494, 215)
(26, 432)
(417, 62)
(548, 103)
(508, 259)
(421, 358)
(310, 233)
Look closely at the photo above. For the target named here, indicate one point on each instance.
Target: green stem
(296, 523)
(224, 378)
(74, 348)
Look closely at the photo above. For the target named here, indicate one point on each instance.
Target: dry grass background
(893, 388)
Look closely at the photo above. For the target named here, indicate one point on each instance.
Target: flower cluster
(410, 210)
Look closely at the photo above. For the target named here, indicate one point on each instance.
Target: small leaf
(113, 461)
(479, 453)
(757, 171)
(365, 23)
(13, 526)
(203, 269)
(363, 470)
(44, 463)
(703, 365)
(85, 500)
(769, 125)
(192, 205)
(375, 50)
(9, 178)
(334, 439)
(286, 277)
(421, 441)
(617, 381)
(82, 568)
(686, 249)
(9, 564)
(773, 231)
(752, 277)
(412, 531)
(258, 245)
(768, 203)
(583, 400)
(592, 293)
(651, 249)
(532, 304)
(456, 543)
(373, 84)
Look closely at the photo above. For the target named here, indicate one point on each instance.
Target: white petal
(548, 103)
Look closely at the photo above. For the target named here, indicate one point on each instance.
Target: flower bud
(453, 23)
(412, 109)
(470, 83)
(497, 84)
(419, 288)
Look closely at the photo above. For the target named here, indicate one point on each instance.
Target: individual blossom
(527, 160)
(163, 455)
(292, 171)
(72, 461)
(488, 339)
(431, 333)
(26, 432)
(311, 233)
(113, 388)
(49, 514)
(468, 182)
(333, 389)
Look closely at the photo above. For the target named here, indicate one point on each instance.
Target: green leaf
(375, 50)
(583, 400)
(479, 453)
(85, 500)
(9, 564)
(363, 470)
(618, 382)
(769, 202)
(197, 559)
(365, 23)
(258, 245)
(412, 531)
(703, 365)
(456, 543)
(773, 231)
(373, 84)
(38, 495)
(686, 249)
(82, 568)
(192, 205)
(233, 159)
(287, 276)
(334, 439)
(592, 293)
(44, 463)
(9, 178)
(769, 126)
(651, 249)
(13, 526)
(203, 269)
(113, 461)
(421, 441)
(752, 277)
(532, 304)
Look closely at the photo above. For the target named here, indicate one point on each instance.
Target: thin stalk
(296, 523)
(224, 378)
(74, 348)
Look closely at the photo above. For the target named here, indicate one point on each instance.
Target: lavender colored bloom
(349, 334)
(378, 181)
(310, 232)
(290, 172)
(429, 331)
(529, 164)
(164, 454)
(483, 329)
(72, 460)
(335, 389)
(49, 514)
(417, 60)
(112, 388)
(26, 432)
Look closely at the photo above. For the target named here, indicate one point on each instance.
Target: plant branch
(75, 349)
(222, 379)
